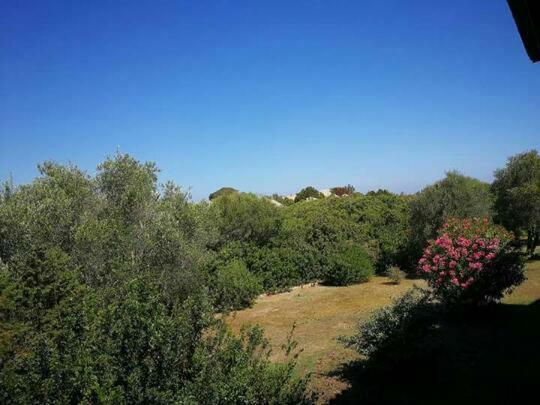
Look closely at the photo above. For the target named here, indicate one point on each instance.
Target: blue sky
(267, 96)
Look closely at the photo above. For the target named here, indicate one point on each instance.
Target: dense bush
(471, 261)
(351, 265)
(341, 191)
(247, 218)
(397, 330)
(308, 192)
(235, 287)
(379, 223)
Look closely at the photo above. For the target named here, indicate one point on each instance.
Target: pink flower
(426, 268)
(476, 266)
(452, 264)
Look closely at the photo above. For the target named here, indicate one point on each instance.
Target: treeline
(109, 284)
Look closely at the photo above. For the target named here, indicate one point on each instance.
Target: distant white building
(326, 192)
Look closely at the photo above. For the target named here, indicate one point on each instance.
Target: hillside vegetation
(113, 287)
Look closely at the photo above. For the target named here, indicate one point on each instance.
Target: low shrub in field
(395, 274)
(471, 261)
(351, 265)
(392, 331)
(235, 286)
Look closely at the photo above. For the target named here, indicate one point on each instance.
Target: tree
(341, 191)
(517, 196)
(454, 196)
(222, 191)
(308, 192)
(246, 217)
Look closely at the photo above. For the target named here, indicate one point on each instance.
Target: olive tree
(517, 196)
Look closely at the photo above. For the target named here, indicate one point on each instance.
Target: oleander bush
(471, 261)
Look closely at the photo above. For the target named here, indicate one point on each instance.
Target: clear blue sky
(267, 96)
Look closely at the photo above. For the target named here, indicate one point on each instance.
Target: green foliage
(341, 191)
(396, 330)
(517, 196)
(221, 192)
(248, 218)
(395, 274)
(104, 295)
(379, 223)
(235, 287)
(308, 192)
(351, 265)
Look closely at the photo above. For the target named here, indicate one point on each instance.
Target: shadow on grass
(490, 357)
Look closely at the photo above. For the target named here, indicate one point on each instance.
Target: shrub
(471, 261)
(308, 192)
(351, 265)
(235, 287)
(395, 274)
(341, 191)
(393, 331)
(129, 346)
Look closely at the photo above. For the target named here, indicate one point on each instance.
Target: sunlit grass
(322, 313)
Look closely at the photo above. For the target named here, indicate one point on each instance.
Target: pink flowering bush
(471, 261)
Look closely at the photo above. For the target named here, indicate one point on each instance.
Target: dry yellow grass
(321, 314)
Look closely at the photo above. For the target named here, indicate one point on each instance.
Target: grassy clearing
(323, 313)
